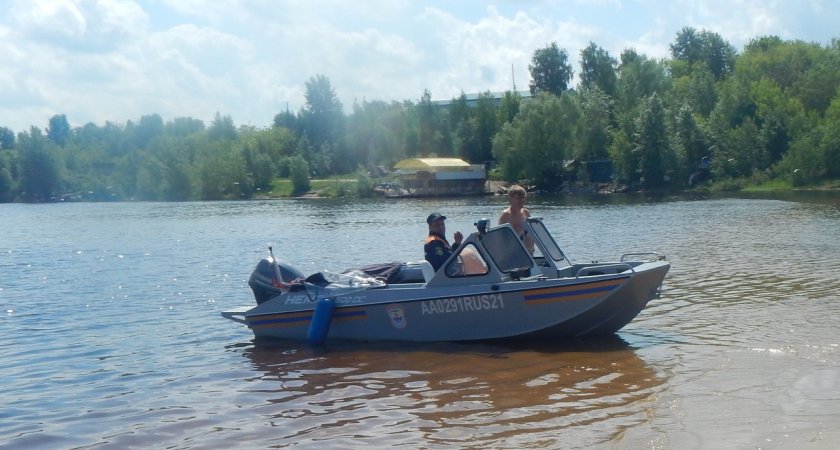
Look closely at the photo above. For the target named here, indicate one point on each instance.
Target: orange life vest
(434, 237)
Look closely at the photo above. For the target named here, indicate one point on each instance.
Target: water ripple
(111, 336)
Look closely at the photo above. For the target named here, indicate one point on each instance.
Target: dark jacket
(437, 250)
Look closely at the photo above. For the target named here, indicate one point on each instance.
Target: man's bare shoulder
(505, 217)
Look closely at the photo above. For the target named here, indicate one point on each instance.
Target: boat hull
(538, 308)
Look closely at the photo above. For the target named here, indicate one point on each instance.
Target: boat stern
(237, 314)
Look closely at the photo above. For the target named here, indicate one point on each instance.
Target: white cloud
(89, 25)
(98, 60)
(61, 19)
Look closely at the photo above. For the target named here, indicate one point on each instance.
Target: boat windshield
(551, 247)
(506, 250)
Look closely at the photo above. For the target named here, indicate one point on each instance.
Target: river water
(110, 333)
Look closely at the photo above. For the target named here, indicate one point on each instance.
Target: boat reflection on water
(486, 395)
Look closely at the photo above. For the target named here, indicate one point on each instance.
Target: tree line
(771, 111)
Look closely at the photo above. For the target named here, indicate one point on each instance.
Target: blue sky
(98, 60)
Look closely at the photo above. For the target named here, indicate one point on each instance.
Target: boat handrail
(603, 267)
(650, 256)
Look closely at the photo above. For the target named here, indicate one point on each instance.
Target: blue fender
(319, 327)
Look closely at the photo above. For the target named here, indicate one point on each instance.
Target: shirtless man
(516, 214)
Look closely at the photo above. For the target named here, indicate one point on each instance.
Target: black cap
(433, 217)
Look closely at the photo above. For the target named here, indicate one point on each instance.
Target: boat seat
(428, 270)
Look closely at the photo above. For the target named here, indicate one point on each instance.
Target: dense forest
(770, 112)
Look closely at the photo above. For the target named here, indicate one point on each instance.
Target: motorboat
(492, 287)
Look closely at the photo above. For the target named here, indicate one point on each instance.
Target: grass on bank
(769, 185)
(350, 185)
(335, 186)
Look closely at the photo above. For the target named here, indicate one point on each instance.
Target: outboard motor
(269, 279)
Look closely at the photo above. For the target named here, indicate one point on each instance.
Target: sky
(118, 60)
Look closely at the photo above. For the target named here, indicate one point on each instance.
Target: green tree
(183, 126)
(651, 144)
(819, 85)
(222, 174)
(376, 133)
(259, 163)
(459, 111)
(509, 107)
(598, 69)
(806, 71)
(733, 107)
(475, 131)
(149, 128)
(322, 116)
(467, 145)
(486, 127)
(706, 48)
(59, 129)
(639, 77)
(697, 90)
(507, 154)
(550, 70)
(621, 152)
(40, 177)
(364, 184)
(431, 129)
(394, 121)
(782, 62)
(830, 143)
(7, 181)
(688, 46)
(7, 138)
(299, 175)
(114, 138)
(718, 54)
(689, 143)
(805, 162)
(739, 151)
(535, 145)
(222, 128)
(90, 135)
(165, 172)
(594, 129)
(286, 119)
(780, 116)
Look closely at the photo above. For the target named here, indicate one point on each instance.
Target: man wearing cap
(437, 248)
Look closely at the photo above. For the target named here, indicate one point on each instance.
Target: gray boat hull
(537, 308)
(490, 288)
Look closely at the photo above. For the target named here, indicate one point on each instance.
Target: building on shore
(434, 177)
(472, 99)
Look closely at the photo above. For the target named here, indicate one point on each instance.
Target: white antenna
(513, 78)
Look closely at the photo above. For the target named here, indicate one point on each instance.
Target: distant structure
(472, 99)
(600, 171)
(434, 177)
